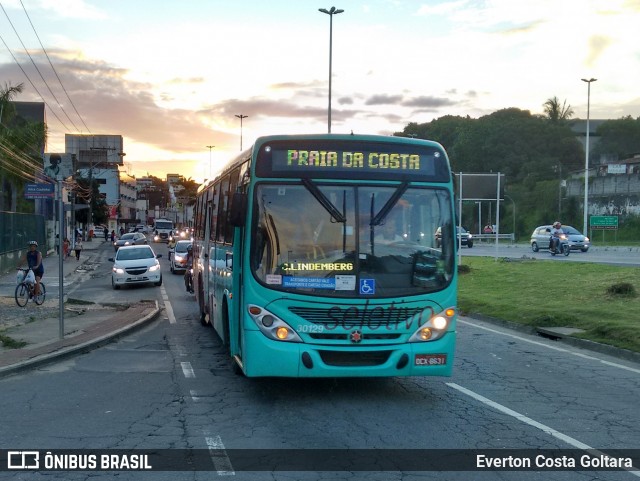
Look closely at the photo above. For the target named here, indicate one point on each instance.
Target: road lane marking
(554, 348)
(194, 396)
(187, 370)
(170, 314)
(163, 291)
(531, 422)
(520, 417)
(218, 454)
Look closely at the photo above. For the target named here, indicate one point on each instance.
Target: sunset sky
(170, 76)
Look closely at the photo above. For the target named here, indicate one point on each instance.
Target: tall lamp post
(210, 147)
(241, 117)
(331, 12)
(586, 159)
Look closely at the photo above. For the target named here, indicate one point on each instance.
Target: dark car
(131, 239)
(466, 239)
(541, 235)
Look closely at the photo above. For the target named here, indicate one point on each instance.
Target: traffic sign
(39, 191)
(605, 222)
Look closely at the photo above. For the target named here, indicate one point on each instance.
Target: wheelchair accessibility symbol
(367, 286)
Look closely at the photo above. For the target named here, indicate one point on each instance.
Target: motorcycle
(188, 280)
(561, 246)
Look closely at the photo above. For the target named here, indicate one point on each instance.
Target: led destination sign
(352, 160)
(364, 160)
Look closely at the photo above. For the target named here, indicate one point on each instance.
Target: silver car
(541, 235)
(130, 239)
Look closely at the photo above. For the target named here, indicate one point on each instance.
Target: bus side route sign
(604, 222)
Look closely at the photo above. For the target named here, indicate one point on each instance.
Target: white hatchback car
(135, 265)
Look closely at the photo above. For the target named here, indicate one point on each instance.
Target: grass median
(601, 299)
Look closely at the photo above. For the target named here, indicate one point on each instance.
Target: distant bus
(315, 256)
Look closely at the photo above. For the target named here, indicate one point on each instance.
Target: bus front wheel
(203, 310)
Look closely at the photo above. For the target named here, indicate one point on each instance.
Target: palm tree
(556, 112)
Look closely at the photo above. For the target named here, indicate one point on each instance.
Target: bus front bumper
(265, 357)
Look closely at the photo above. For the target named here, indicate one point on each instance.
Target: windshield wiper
(324, 202)
(390, 204)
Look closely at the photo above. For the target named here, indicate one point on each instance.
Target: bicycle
(26, 290)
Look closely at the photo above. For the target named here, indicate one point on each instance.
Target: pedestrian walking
(106, 234)
(113, 236)
(78, 247)
(66, 247)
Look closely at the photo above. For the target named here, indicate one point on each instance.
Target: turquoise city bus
(316, 256)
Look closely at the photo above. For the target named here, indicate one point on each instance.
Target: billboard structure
(96, 150)
(58, 165)
(480, 187)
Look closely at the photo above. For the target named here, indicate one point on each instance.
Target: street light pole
(210, 147)
(241, 117)
(331, 12)
(586, 159)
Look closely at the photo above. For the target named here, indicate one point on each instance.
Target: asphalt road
(171, 385)
(621, 256)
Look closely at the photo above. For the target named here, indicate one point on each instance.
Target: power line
(38, 70)
(53, 68)
(32, 84)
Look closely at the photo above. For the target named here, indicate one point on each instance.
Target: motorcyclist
(33, 257)
(188, 276)
(556, 234)
(172, 246)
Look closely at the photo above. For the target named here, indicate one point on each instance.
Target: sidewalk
(38, 327)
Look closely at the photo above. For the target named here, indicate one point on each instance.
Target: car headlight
(435, 327)
(118, 270)
(586, 239)
(179, 258)
(154, 268)
(155, 237)
(272, 326)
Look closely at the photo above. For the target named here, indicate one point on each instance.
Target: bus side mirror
(238, 213)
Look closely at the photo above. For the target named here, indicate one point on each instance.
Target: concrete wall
(610, 194)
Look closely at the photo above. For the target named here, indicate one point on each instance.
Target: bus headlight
(435, 327)
(271, 325)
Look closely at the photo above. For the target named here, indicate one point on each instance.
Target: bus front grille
(345, 336)
(354, 359)
(354, 317)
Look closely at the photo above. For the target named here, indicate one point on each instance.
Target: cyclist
(33, 257)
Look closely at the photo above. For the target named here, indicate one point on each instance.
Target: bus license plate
(430, 359)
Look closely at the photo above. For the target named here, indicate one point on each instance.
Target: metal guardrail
(492, 237)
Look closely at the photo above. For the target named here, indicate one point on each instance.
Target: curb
(549, 333)
(83, 347)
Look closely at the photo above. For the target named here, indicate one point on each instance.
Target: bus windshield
(351, 241)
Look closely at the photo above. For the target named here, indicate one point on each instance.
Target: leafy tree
(21, 143)
(619, 137)
(190, 190)
(84, 195)
(444, 130)
(518, 144)
(556, 112)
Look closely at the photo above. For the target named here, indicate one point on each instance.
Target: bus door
(201, 277)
